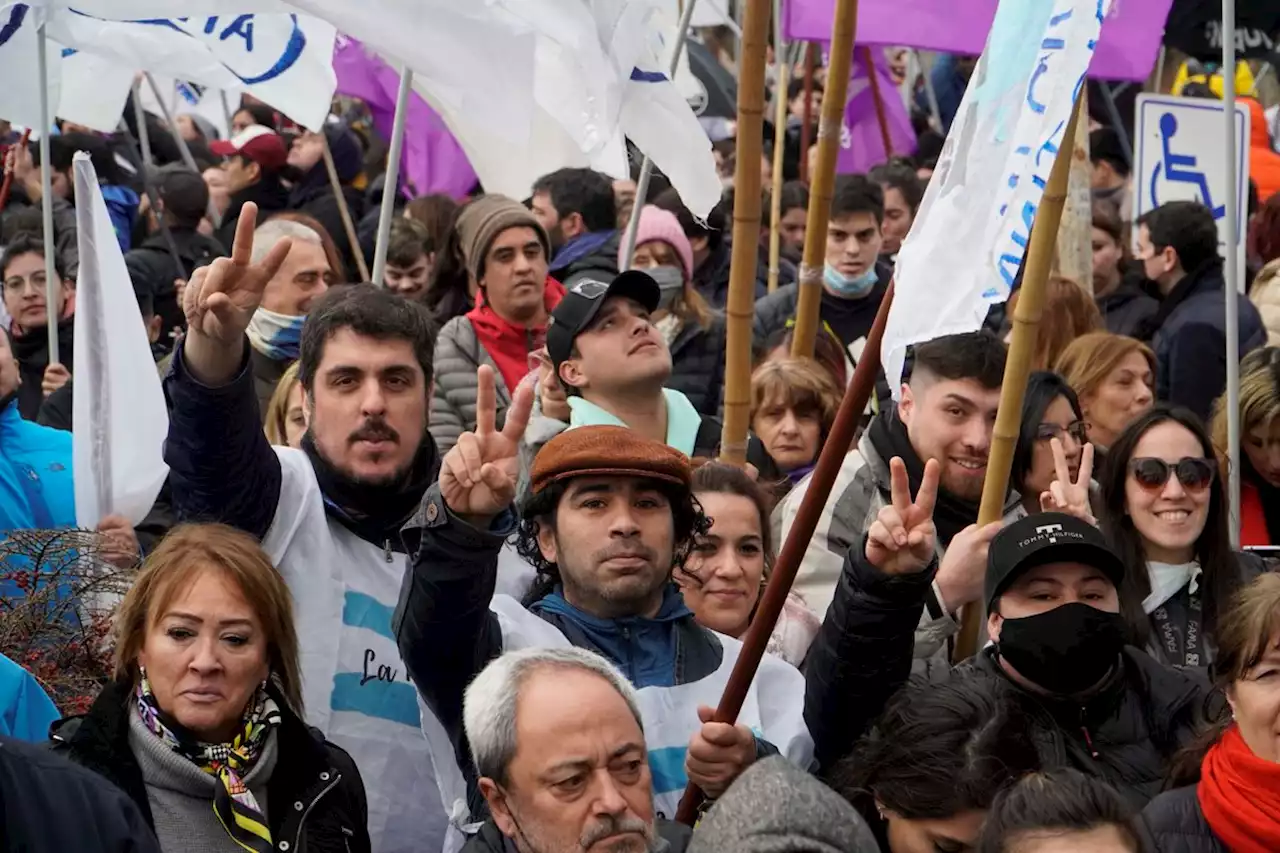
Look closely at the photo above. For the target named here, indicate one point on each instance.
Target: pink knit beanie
(661, 225)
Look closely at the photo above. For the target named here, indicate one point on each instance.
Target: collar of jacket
(582, 246)
(99, 741)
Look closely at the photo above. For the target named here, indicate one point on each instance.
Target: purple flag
(432, 161)
(861, 141)
(1127, 50)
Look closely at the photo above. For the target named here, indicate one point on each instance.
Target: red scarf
(1239, 794)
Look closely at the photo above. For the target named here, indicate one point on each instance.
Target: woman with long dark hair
(1050, 411)
(1164, 508)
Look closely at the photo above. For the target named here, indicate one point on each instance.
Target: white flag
(285, 60)
(117, 404)
(968, 240)
(19, 66)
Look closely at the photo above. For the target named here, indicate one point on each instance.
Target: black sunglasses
(1193, 473)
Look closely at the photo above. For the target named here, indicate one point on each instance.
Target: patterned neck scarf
(234, 804)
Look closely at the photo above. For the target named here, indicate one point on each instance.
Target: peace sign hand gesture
(478, 476)
(902, 539)
(1067, 495)
(220, 300)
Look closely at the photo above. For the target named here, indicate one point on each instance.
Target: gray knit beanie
(482, 220)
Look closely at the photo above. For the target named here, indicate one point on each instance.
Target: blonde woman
(285, 420)
(1114, 378)
(1259, 446)
(202, 725)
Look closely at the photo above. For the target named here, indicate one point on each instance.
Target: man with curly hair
(608, 516)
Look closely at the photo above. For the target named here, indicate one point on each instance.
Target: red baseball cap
(260, 144)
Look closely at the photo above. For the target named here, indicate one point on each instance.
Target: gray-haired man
(559, 747)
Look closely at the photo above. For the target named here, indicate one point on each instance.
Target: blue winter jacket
(26, 712)
(36, 489)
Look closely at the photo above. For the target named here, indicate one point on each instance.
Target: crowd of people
(448, 562)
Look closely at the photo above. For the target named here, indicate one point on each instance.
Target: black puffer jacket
(327, 811)
(697, 365)
(1126, 734)
(1174, 823)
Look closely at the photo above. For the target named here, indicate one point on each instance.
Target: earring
(880, 811)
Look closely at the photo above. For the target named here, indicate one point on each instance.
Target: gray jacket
(458, 356)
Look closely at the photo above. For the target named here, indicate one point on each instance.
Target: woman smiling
(724, 576)
(200, 727)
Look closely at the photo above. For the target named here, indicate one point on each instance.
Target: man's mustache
(374, 429)
(612, 826)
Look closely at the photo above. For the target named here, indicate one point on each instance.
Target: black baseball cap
(1048, 537)
(582, 302)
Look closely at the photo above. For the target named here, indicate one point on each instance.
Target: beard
(593, 588)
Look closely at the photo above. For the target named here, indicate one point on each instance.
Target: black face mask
(1066, 650)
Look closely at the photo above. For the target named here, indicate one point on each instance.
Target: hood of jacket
(683, 420)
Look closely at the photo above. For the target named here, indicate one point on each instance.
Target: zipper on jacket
(302, 822)
(1088, 739)
(386, 550)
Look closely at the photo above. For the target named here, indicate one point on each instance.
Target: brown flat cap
(610, 451)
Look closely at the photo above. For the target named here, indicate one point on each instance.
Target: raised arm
(222, 467)
(443, 624)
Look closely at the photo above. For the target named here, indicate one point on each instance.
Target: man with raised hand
(608, 517)
(329, 514)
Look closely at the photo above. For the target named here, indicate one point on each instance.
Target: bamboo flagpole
(1026, 325)
(881, 119)
(775, 196)
(740, 307)
(838, 442)
(343, 210)
(843, 31)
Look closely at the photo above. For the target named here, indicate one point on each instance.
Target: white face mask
(277, 336)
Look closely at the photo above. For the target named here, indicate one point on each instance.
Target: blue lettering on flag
(17, 15)
(640, 76)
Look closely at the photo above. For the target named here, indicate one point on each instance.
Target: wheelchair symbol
(1180, 169)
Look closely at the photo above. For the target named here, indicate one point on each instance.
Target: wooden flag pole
(343, 210)
(843, 30)
(876, 98)
(740, 307)
(806, 129)
(838, 442)
(775, 197)
(1026, 325)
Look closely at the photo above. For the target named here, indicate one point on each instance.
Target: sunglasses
(1193, 473)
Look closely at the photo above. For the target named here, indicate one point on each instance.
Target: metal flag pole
(226, 111)
(1232, 268)
(46, 201)
(214, 216)
(143, 146)
(392, 185)
(646, 166)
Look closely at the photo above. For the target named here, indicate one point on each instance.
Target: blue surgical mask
(851, 288)
(277, 336)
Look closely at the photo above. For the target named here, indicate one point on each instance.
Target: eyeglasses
(1193, 473)
(1077, 430)
(16, 283)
